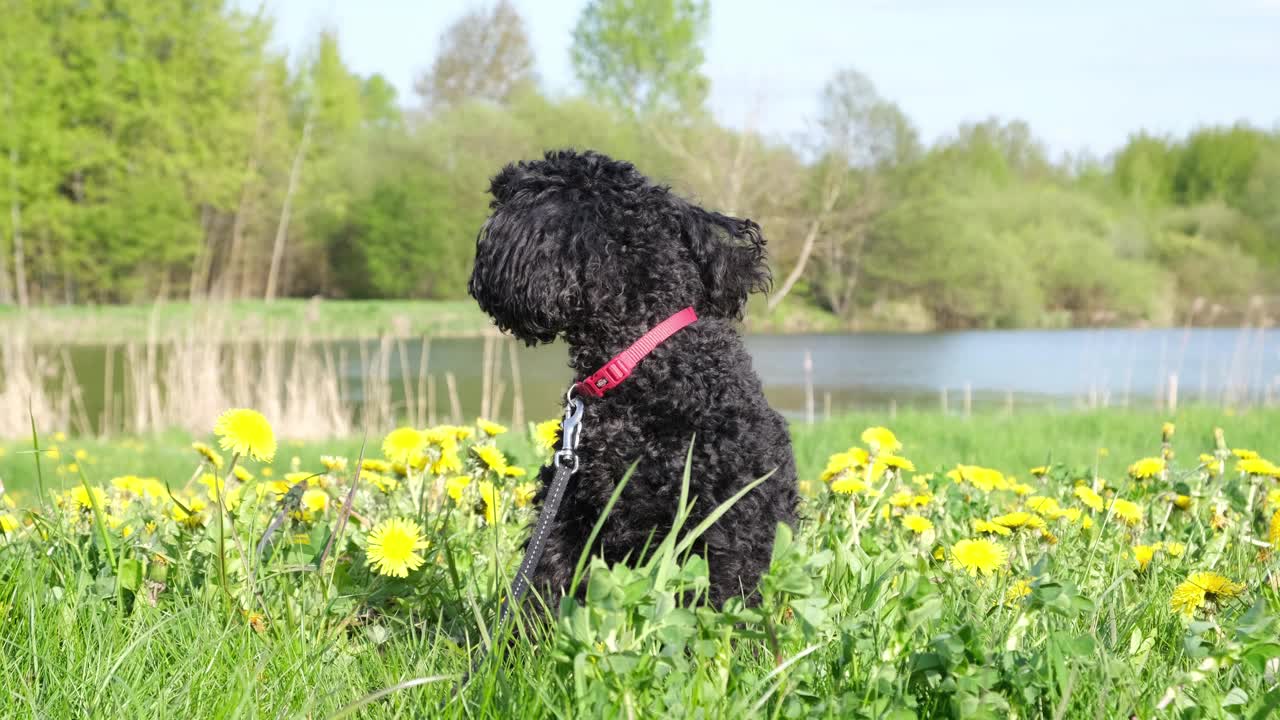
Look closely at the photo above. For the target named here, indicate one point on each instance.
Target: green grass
(852, 623)
(250, 319)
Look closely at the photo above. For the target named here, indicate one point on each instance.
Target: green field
(861, 617)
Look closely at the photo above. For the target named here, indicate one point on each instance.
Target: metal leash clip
(571, 431)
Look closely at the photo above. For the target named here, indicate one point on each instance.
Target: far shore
(322, 319)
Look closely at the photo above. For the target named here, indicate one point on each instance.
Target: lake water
(955, 370)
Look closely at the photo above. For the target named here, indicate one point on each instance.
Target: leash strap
(620, 367)
(537, 542)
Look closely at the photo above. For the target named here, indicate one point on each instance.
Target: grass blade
(595, 531)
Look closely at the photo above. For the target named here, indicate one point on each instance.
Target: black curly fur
(584, 247)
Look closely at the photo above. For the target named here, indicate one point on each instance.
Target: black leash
(566, 462)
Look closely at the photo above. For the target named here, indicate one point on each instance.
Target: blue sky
(1084, 74)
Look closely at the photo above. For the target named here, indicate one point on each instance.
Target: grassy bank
(282, 319)
(335, 319)
(127, 615)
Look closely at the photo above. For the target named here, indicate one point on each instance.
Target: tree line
(166, 150)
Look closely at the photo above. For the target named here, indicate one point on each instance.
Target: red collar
(620, 367)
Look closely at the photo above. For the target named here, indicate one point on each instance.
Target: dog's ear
(521, 278)
(731, 259)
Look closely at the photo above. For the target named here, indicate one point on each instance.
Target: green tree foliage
(643, 56)
(159, 150)
(485, 54)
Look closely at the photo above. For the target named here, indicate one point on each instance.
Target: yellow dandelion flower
(1046, 506)
(393, 546)
(1243, 454)
(897, 463)
(384, 483)
(991, 528)
(333, 463)
(1016, 592)
(901, 499)
(848, 485)
(513, 471)
(448, 462)
(402, 444)
(985, 479)
(191, 519)
(315, 501)
(456, 485)
(922, 499)
(1021, 489)
(80, 497)
(1203, 589)
(375, 465)
(1174, 549)
(1019, 519)
(916, 523)
(1068, 514)
(841, 462)
(1090, 498)
(492, 429)
(881, 440)
(492, 457)
(1146, 468)
(1129, 512)
(53, 453)
(1210, 463)
(1166, 431)
(978, 556)
(246, 433)
(1257, 466)
(241, 474)
(59, 436)
(1273, 530)
(208, 453)
(278, 488)
(9, 524)
(545, 436)
(1182, 502)
(1142, 554)
(1040, 471)
(524, 493)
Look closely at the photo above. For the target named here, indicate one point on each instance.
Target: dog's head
(579, 241)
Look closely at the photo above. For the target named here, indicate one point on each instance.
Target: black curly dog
(584, 247)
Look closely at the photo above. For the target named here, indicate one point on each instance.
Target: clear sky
(1083, 73)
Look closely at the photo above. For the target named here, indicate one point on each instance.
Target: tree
(331, 113)
(643, 56)
(1144, 168)
(484, 55)
(859, 138)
